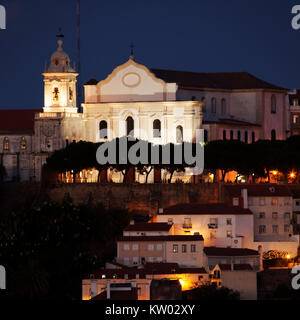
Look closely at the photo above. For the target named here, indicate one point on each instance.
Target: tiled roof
(144, 226)
(259, 190)
(229, 252)
(131, 294)
(236, 267)
(232, 122)
(206, 208)
(17, 120)
(91, 82)
(219, 80)
(161, 238)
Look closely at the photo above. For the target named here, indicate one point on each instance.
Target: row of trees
(256, 160)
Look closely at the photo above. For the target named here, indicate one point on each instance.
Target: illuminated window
(223, 106)
(213, 105)
(262, 229)
(5, 144)
(179, 134)
(274, 215)
(296, 119)
(229, 234)
(130, 126)
(274, 202)
(23, 144)
(175, 248)
(193, 248)
(103, 129)
(273, 104)
(156, 128)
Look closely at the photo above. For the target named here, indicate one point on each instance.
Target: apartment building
(220, 224)
(272, 207)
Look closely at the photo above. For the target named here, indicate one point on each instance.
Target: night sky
(205, 36)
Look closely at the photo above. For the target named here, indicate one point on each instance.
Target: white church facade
(160, 106)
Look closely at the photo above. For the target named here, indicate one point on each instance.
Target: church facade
(160, 106)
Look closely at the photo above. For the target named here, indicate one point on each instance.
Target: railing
(187, 226)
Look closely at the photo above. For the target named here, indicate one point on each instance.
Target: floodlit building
(161, 106)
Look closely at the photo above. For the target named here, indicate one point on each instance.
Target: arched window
(23, 144)
(273, 135)
(231, 135)
(103, 129)
(253, 137)
(273, 104)
(130, 126)
(5, 144)
(246, 136)
(224, 135)
(213, 105)
(156, 128)
(223, 106)
(179, 134)
(205, 136)
(239, 135)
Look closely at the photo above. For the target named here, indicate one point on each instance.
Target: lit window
(23, 144)
(193, 248)
(262, 229)
(274, 202)
(5, 144)
(229, 234)
(275, 229)
(296, 119)
(175, 248)
(274, 215)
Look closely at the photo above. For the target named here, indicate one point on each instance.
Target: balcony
(212, 226)
(187, 226)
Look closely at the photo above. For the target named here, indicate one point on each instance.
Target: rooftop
(14, 121)
(229, 252)
(144, 226)
(161, 238)
(259, 190)
(218, 80)
(205, 209)
(236, 267)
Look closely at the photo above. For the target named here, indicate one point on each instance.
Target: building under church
(160, 106)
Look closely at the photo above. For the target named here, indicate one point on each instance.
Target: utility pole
(79, 89)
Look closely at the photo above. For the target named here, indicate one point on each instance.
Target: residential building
(220, 224)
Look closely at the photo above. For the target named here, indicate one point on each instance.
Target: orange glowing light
(288, 256)
(292, 175)
(275, 173)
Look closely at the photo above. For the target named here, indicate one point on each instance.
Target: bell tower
(60, 82)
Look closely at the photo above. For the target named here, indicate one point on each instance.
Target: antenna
(78, 57)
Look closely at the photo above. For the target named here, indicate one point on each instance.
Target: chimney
(245, 198)
(108, 291)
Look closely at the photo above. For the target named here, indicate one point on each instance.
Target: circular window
(131, 80)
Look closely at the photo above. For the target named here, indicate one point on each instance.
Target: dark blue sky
(192, 35)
